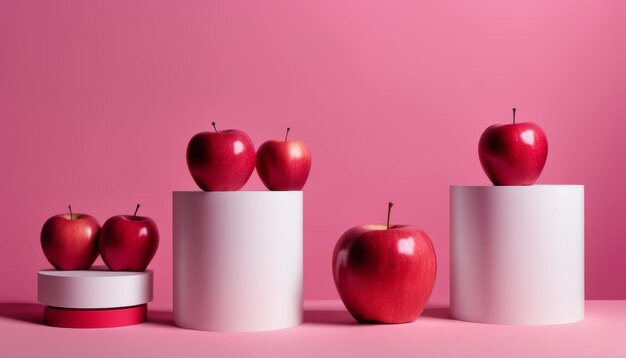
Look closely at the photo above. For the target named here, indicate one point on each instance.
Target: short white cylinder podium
(96, 298)
(238, 260)
(97, 288)
(517, 254)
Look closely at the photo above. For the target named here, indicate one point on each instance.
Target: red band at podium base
(95, 318)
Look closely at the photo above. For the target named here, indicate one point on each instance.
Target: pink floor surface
(327, 331)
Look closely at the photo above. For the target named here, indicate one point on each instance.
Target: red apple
(513, 154)
(128, 242)
(221, 161)
(70, 241)
(384, 274)
(283, 165)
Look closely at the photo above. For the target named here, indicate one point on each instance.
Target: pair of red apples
(385, 273)
(125, 242)
(224, 161)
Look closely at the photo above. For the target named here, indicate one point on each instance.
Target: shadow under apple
(343, 317)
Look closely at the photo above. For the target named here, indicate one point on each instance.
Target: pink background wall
(99, 99)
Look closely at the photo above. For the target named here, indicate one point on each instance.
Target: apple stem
(71, 215)
(389, 213)
(286, 134)
(214, 127)
(137, 208)
(514, 115)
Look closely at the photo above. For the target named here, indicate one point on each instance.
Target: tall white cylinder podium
(517, 254)
(238, 260)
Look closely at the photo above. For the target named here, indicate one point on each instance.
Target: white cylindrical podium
(238, 260)
(517, 254)
(97, 288)
(96, 298)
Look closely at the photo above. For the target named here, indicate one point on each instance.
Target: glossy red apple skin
(70, 243)
(513, 154)
(127, 243)
(283, 165)
(221, 161)
(384, 275)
